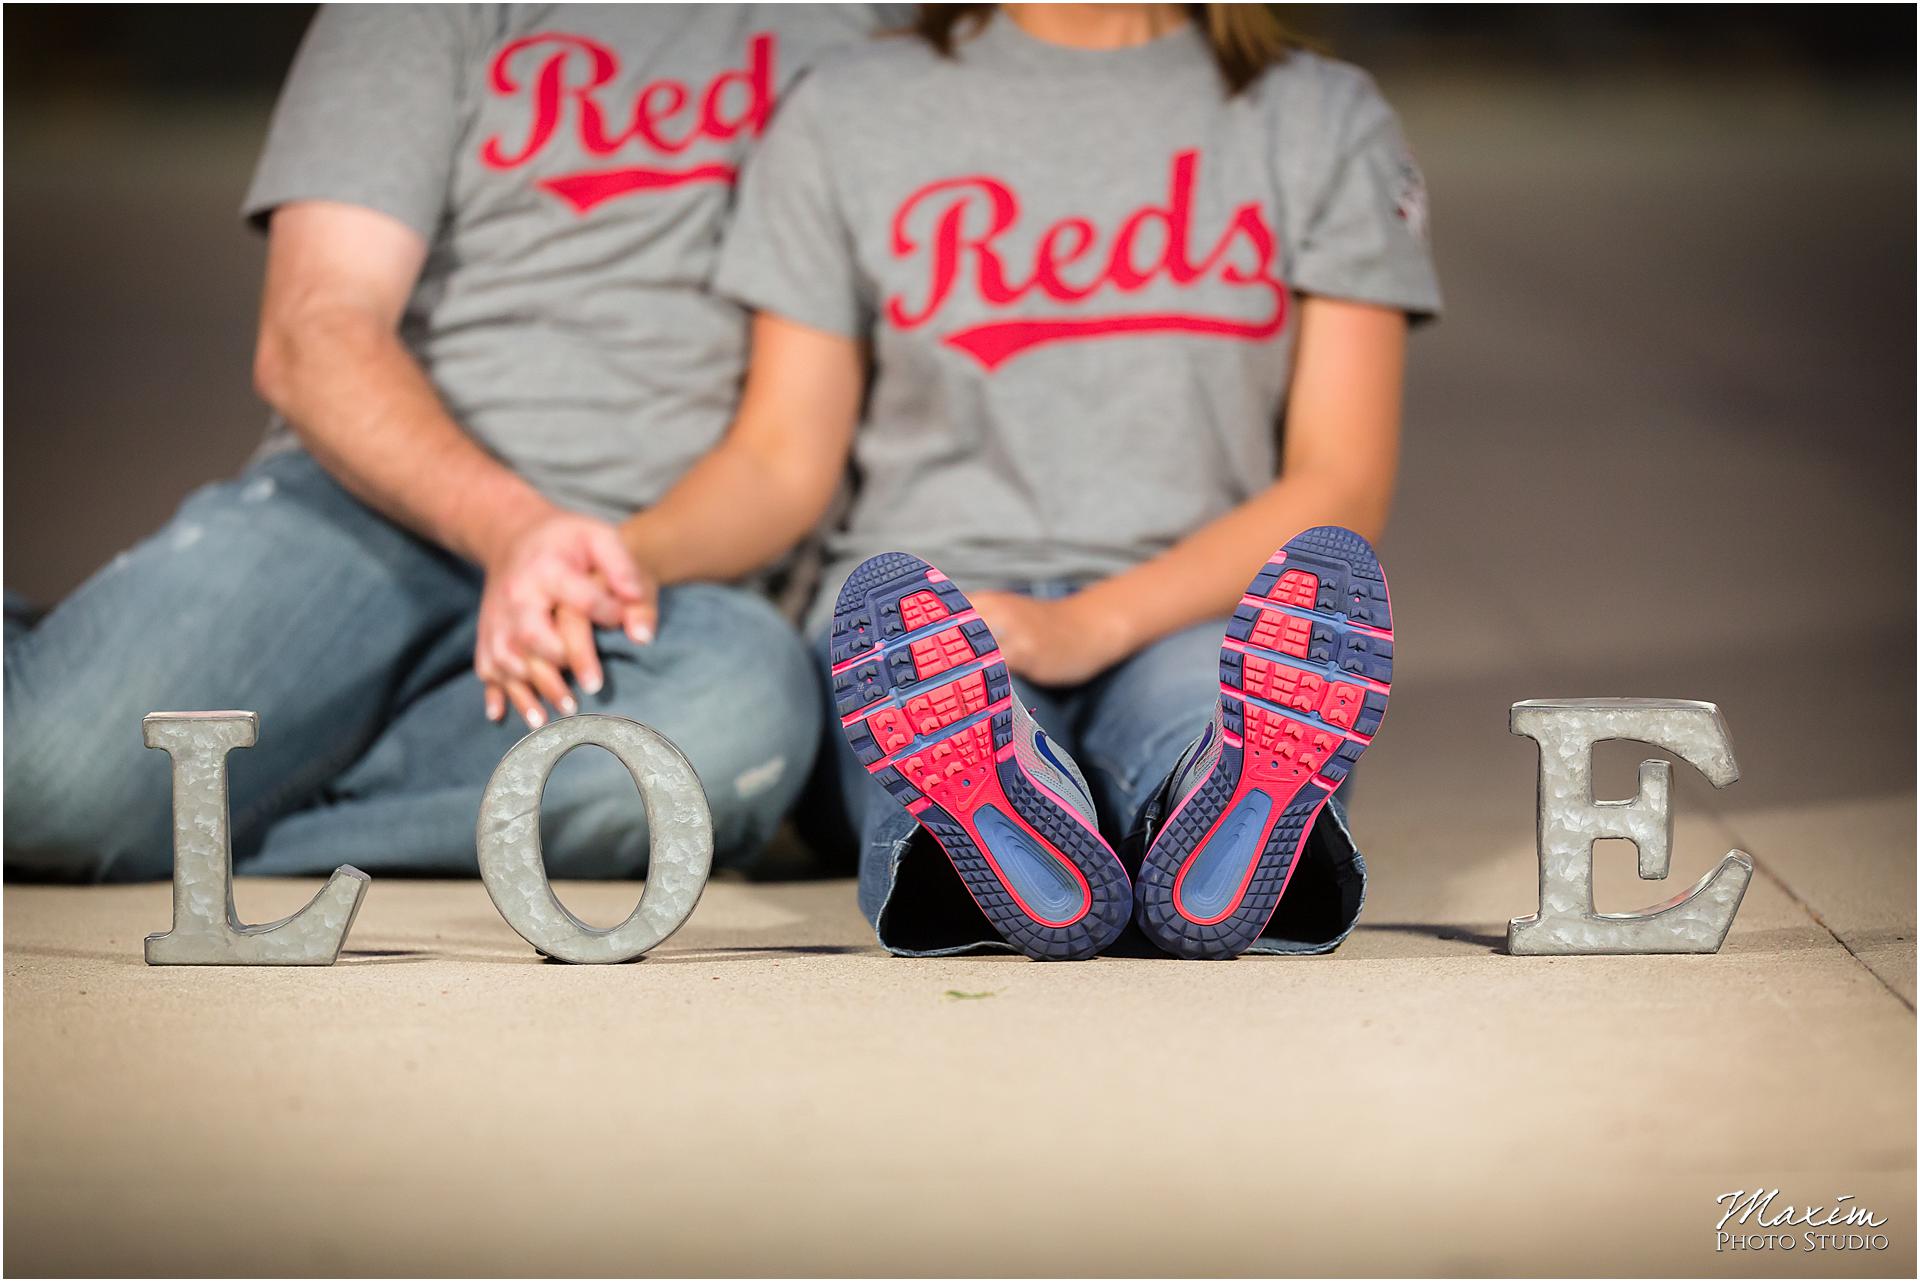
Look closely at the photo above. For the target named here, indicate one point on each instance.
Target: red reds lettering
(957, 225)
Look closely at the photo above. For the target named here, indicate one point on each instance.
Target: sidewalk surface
(1661, 446)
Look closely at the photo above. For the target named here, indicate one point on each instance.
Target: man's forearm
(361, 405)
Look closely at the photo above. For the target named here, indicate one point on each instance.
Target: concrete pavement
(769, 1094)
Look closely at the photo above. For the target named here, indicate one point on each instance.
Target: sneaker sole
(926, 704)
(1305, 670)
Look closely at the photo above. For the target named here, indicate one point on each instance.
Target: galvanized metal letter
(1695, 921)
(207, 931)
(679, 829)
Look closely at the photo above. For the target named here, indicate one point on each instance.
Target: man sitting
(486, 335)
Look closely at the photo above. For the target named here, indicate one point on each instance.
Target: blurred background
(1662, 444)
(1641, 214)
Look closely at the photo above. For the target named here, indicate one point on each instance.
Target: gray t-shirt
(1077, 271)
(571, 168)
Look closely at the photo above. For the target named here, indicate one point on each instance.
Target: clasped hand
(566, 574)
(1056, 642)
(549, 587)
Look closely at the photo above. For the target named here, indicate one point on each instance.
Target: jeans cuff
(917, 903)
(1325, 894)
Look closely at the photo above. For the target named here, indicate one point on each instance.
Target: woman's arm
(753, 496)
(1337, 468)
(770, 479)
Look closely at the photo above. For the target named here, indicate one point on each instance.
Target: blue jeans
(1125, 728)
(280, 593)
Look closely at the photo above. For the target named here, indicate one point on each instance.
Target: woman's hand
(1051, 643)
(547, 590)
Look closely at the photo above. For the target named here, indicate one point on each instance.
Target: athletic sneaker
(1305, 669)
(926, 703)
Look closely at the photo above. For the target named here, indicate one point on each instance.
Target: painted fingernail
(567, 706)
(640, 633)
(591, 683)
(536, 718)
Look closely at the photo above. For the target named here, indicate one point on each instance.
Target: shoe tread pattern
(918, 699)
(1319, 676)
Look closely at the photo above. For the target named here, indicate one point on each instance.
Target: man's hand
(1051, 643)
(549, 584)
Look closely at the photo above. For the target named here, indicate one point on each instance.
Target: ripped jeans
(280, 593)
(1125, 729)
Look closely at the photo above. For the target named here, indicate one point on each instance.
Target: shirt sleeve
(1366, 237)
(789, 248)
(370, 115)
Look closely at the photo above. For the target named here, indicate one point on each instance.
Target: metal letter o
(680, 839)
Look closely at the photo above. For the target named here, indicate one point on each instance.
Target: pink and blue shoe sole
(926, 704)
(1305, 670)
